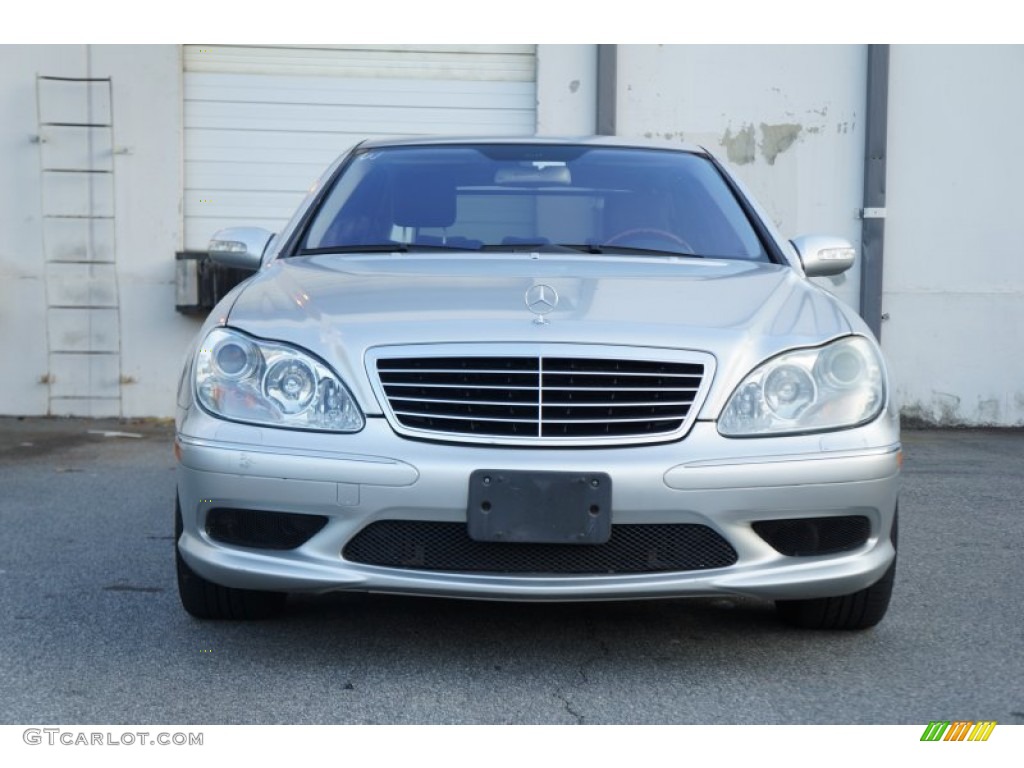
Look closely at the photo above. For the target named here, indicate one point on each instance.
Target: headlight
(839, 385)
(262, 382)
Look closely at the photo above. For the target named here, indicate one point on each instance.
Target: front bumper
(375, 475)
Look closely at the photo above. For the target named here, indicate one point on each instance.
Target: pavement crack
(569, 708)
(604, 652)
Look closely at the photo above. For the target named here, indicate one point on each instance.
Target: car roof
(589, 141)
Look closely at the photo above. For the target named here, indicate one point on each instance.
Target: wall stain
(948, 406)
(776, 139)
(944, 410)
(919, 416)
(988, 411)
(574, 86)
(739, 147)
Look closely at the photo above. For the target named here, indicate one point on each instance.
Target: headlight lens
(836, 386)
(262, 382)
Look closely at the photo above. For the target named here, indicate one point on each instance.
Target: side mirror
(823, 256)
(239, 247)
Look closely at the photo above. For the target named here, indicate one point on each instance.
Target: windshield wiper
(381, 248)
(496, 248)
(631, 250)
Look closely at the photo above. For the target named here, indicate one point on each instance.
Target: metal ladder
(76, 148)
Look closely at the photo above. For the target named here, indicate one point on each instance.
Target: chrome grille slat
(451, 386)
(501, 403)
(611, 421)
(597, 374)
(448, 416)
(676, 390)
(558, 399)
(452, 372)
(614, 403)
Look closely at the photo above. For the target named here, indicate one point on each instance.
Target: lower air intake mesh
(262, 530)
(435, 546)
(815, 535)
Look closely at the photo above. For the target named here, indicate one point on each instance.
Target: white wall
(566, 90)
(789, 120)
(146, 204)
(954, 242)
(24, 356)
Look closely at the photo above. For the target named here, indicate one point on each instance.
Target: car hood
(340, 306)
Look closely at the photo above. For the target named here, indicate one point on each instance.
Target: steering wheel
(640, 233)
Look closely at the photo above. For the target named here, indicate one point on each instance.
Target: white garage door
(262, 123)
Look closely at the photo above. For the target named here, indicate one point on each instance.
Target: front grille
(434, 546)
(546, 398)
(815, 535)
(260, 529)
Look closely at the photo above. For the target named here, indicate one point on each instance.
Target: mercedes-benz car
(535, 370)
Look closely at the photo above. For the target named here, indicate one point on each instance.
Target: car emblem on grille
(541, 299)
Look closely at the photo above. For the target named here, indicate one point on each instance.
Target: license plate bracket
(522, 506)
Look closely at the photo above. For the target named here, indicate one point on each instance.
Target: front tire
(859, 610)
(206, 600)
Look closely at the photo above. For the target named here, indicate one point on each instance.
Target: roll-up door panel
(262, 123)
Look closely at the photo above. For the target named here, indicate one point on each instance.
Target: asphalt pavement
(92, 631)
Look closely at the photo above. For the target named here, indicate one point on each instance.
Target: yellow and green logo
(958, 730)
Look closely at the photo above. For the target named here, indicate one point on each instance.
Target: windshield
(536, 197)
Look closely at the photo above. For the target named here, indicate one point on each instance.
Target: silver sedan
(535, 369)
